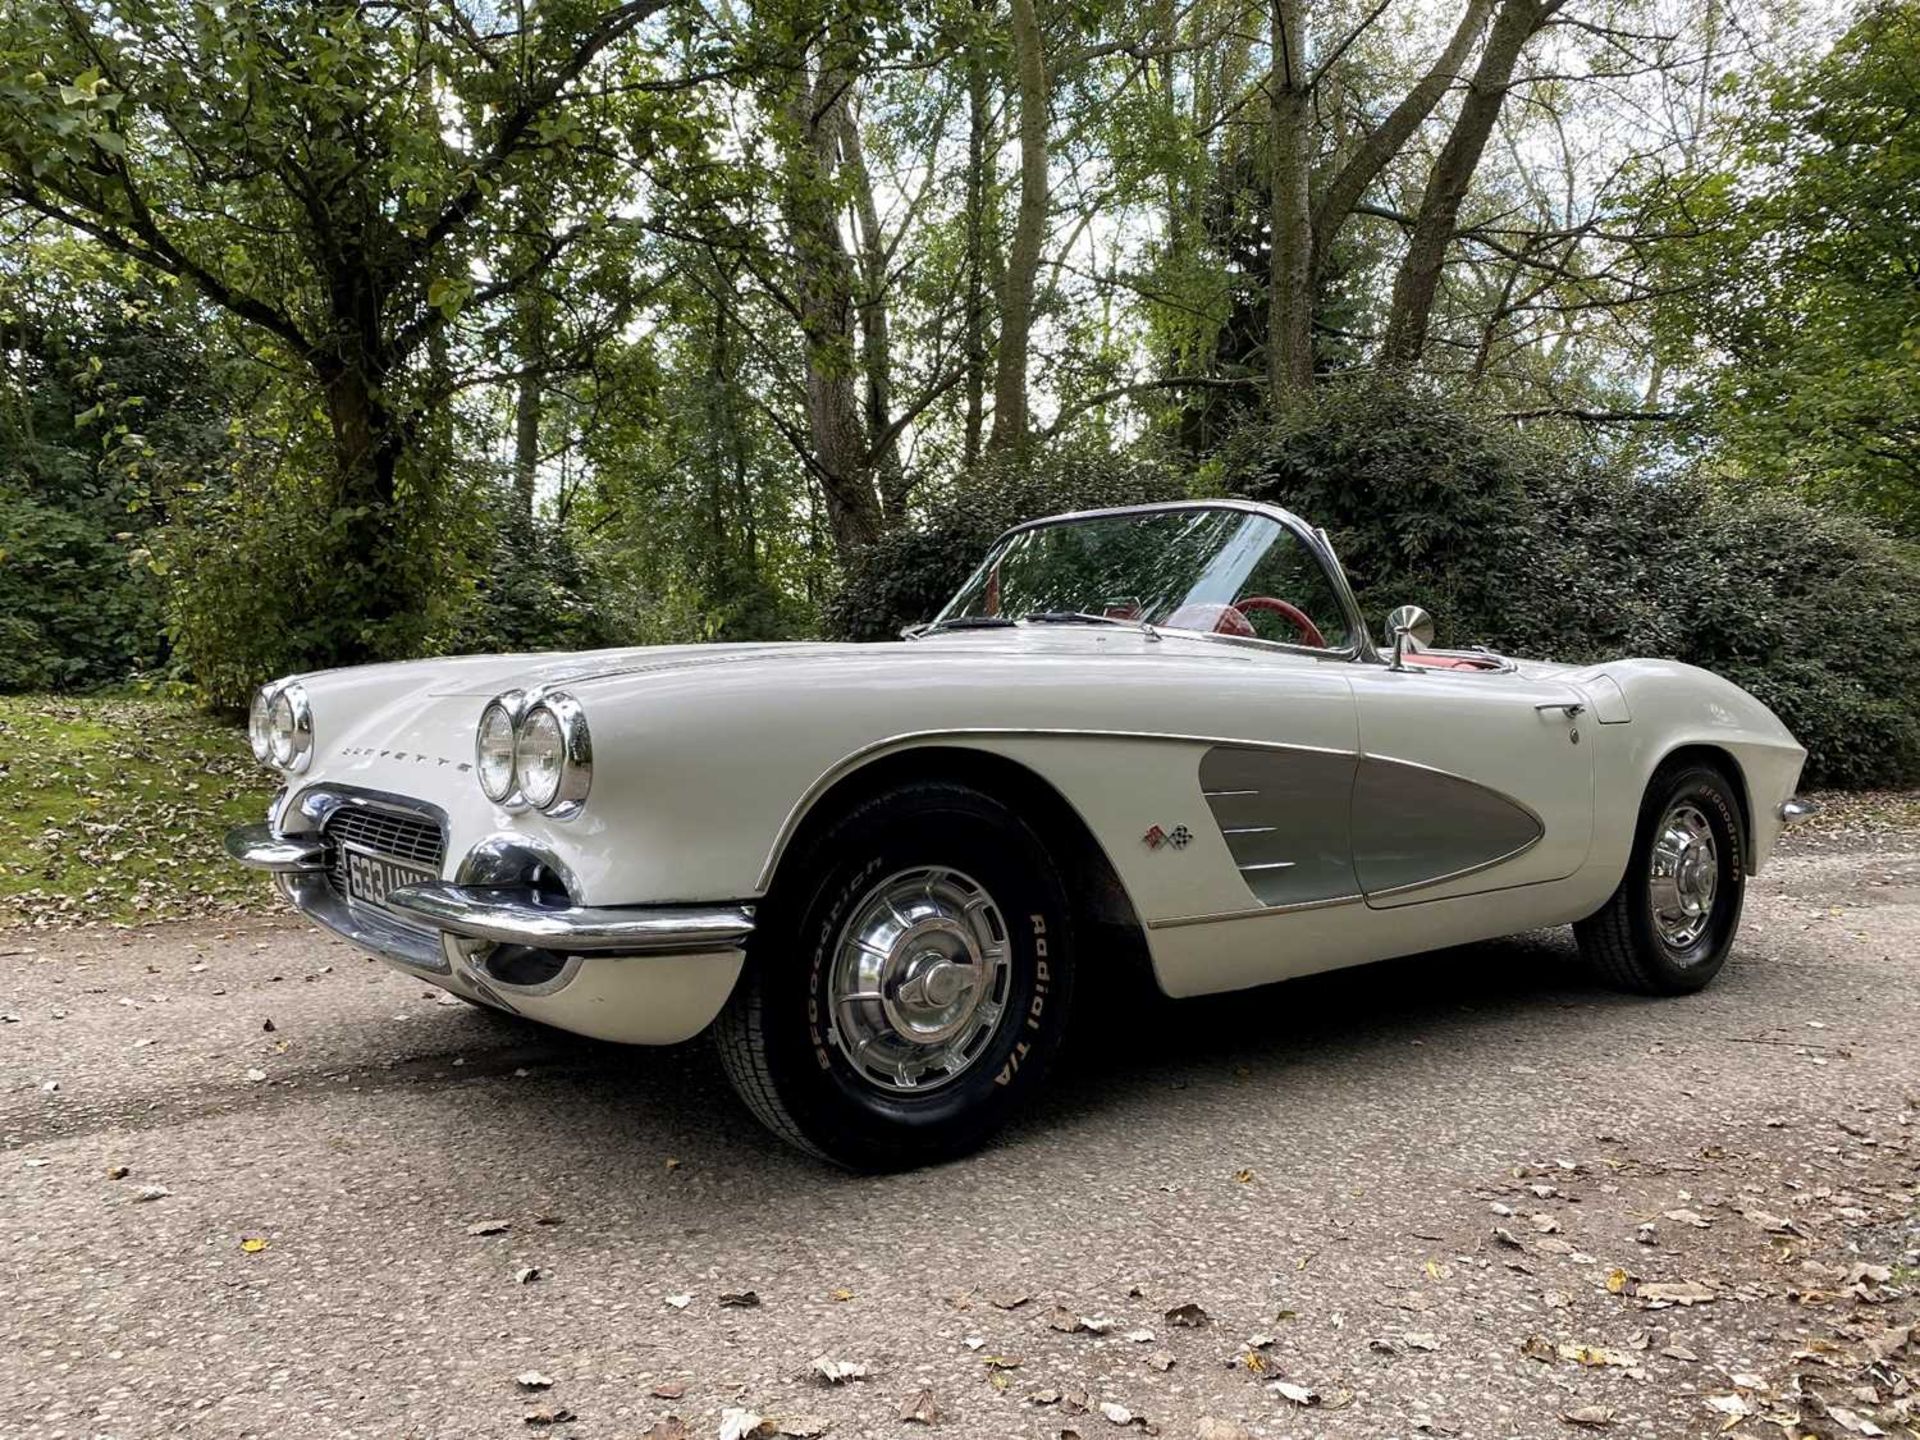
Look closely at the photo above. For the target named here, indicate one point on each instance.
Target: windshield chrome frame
(1361, 645)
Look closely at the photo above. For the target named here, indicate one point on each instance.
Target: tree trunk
(1010, 422)
(824, 290)
(1290, 278)
(1418, 281)
(876, 346)
(368, 442)
(979, 190)
(1351, 181)
(526, 447)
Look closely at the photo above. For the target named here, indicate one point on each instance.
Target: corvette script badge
(1176, 837)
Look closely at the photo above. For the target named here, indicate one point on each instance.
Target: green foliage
(74, 612)
(911, 573)
(1791, 267)
(534, 592)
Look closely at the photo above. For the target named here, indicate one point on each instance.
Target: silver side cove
(1317, 827)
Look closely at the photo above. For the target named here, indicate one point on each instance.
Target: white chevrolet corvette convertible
(877, 872)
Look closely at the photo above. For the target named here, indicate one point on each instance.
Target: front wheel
(910, 983)
(1669, 927)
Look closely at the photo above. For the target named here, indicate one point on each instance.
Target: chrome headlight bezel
(573, 776)
(280, 727)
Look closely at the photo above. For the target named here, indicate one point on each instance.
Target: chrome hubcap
(1684, 875)
(919, 979)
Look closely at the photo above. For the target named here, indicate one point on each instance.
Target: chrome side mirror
(1408, 623)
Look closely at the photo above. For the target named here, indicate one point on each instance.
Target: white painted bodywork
(706, 759)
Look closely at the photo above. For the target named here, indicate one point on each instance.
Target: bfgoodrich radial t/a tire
(908, 986)
(1669, 927)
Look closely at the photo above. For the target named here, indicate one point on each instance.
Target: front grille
(411, 839)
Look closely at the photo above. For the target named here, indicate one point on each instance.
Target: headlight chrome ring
(566, 793)
(495, 740)
(280, 726)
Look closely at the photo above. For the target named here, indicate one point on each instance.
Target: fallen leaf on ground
(1244, 1177)
(840, 1296)
(1002, 1362)
(533, 1380)
(679, 1302)
(559, 1415)
(1591, 1354)
(1009, 1299)
(526, 1275)
(1298, 1394)
(671, 1428)
(670, 1390)
(1593, 1416)
(1067, 1323)
(802, 1427)
(1689, 1217)
(151, 1192)
(1616, 1281)
(1545, 1224)
(1116, 1414)
(1161, 1360)
(1140, 1337)
(920, 1409)
(1190, 1316)
(739, 1300)
(1043, 1397)
(1420, 1340)
(489, 1227)
(838, 1372)
(253, 1244)
(1678, 1292)
(738, 1424)
(1679, 1352)
(1506, 1237)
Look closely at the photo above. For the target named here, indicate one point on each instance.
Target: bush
(74, 614)
(910, 574)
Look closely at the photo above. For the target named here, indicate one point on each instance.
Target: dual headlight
(534, 747)
(280, 726)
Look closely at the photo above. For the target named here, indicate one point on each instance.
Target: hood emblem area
(367, 752)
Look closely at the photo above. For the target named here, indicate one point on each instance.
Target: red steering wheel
(1292, 614)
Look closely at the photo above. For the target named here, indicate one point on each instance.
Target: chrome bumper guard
(1795, 810)
(259, 848)
(520, 917)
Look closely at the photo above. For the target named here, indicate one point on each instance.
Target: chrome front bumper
(521, 917)
(501, 915)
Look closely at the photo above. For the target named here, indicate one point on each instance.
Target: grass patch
(113, 809)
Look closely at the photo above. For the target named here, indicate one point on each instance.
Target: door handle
(1572, 707)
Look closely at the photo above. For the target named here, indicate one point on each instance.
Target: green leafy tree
(1795, 268)
(335, 176)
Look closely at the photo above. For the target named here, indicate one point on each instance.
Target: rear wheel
(1669, 927)
(909, 984)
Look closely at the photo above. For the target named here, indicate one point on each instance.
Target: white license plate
(371, 878)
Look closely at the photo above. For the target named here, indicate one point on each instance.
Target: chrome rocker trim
(259, 848)
(520, 917)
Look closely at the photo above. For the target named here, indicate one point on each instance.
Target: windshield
(1218, 571)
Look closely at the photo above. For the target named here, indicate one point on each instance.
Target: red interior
(1427, 660)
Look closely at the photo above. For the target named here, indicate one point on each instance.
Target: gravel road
(1436, 1197)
